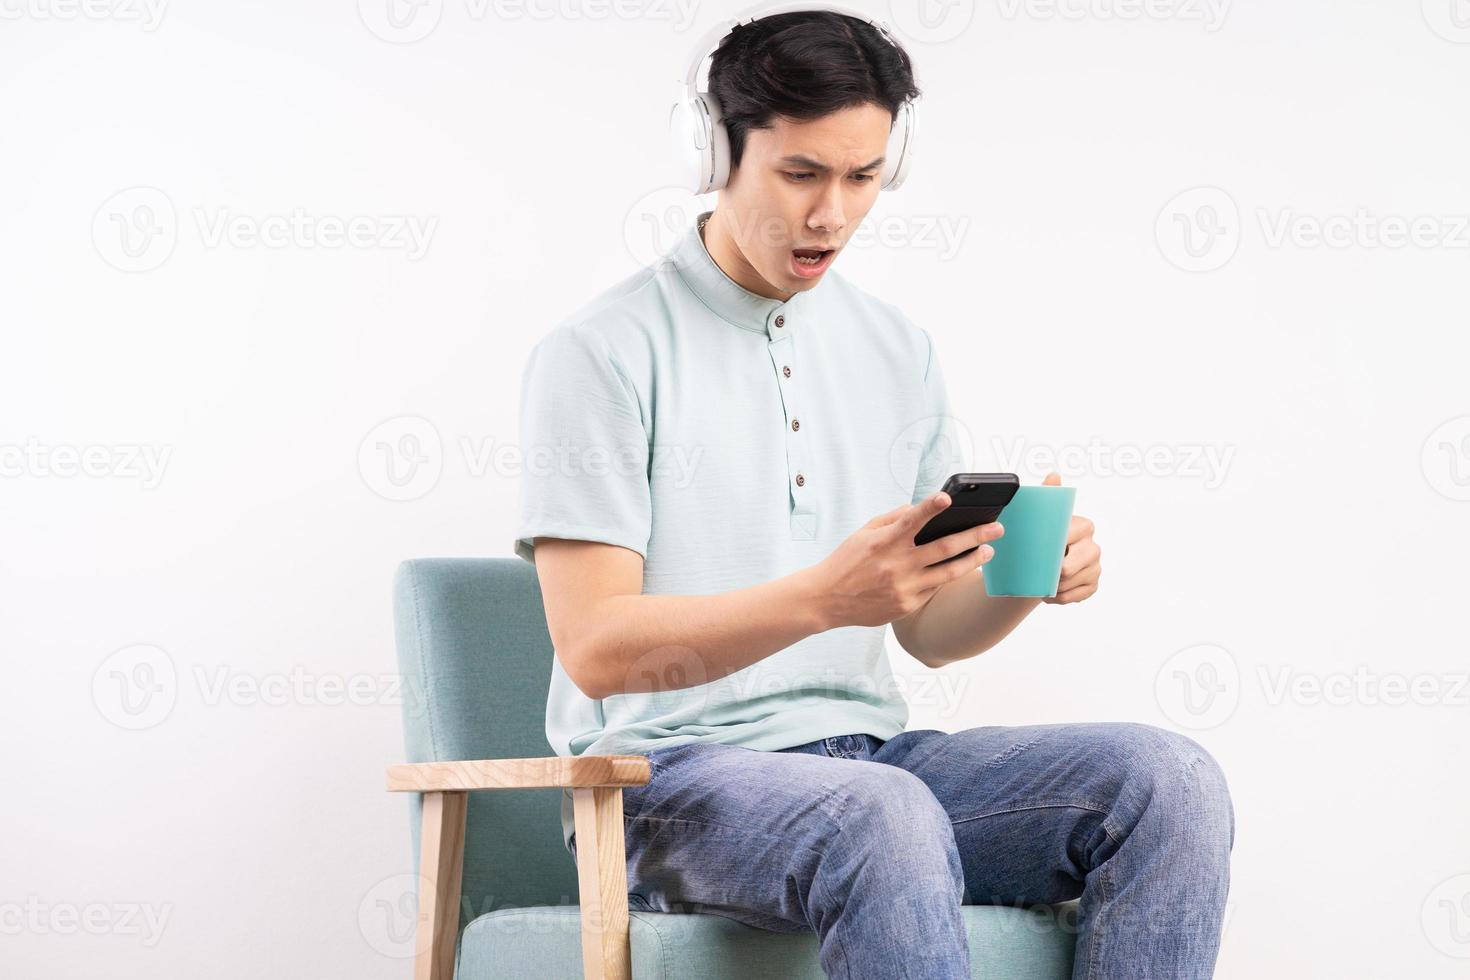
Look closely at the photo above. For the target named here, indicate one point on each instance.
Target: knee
(887, 795)
(886, 810)
(1170, 779)
(893, 864)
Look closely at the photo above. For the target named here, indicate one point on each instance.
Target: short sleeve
(943, 450)
(584, 451)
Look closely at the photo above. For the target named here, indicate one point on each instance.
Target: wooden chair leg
(441, 862)
(602, 883)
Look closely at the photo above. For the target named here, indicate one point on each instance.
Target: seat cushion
(545, 943)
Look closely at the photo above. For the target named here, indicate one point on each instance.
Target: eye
(803, 175)
(862, 178)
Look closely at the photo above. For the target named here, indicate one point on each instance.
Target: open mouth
(811, 261)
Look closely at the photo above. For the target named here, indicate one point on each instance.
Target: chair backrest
(476, 660)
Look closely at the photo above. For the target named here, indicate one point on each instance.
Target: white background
(240, 585)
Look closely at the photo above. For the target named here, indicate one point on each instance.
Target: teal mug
(1028, 557)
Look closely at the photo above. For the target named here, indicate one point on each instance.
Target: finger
(1086, 553)
(1073, 595)
(936, 576)
(918, 515)
(1080, 528)
(1086, 576)
(952, 544)
(1052, 480)
(883, 520)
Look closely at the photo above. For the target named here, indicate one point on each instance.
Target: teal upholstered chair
(475, 654)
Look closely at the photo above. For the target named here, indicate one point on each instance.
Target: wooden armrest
(566, 771)
(602, 877)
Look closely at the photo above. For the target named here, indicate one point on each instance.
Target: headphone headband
(696, 126)
(711, 39)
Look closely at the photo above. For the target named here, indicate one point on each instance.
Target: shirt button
(800, 480)
(780, 321)
(796, 425)
(786, 371)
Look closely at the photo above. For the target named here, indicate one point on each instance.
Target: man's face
(801, 190)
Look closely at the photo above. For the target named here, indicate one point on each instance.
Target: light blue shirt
(729, 439)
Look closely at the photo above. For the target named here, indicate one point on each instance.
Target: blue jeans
(874, 845)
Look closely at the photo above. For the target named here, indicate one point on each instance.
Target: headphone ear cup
(686, 137)
(701, 147)
(719, 145)
(899, 156)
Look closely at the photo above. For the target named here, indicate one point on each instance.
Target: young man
(727, 527)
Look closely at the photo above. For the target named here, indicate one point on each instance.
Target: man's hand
(1082, 563)
(879, 575)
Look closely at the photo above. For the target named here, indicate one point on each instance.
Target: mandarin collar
(728, 299)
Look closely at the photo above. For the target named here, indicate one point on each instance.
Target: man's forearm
(646, 643)
(960, 621)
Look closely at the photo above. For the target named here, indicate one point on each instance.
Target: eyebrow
(804, 161)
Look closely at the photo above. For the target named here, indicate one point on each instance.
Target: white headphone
(697, 130)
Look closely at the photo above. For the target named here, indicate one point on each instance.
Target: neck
(720, 244)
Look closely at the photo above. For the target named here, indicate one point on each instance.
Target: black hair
(803, 66)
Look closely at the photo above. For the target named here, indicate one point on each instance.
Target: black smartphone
(975, 499)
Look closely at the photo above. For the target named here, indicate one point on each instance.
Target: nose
(829, 217)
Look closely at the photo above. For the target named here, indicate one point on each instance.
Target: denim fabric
(875, 844)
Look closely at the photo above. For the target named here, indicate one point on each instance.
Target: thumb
(1053, 479)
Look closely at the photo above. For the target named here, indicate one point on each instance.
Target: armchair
(499, 889)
